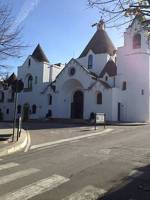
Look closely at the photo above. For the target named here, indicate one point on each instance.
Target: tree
(120, 12)
(10, 36)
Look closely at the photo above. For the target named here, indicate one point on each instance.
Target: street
(112, 165)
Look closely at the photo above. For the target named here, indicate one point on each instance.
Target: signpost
(17, 87)
(100, 118)
(19, 127)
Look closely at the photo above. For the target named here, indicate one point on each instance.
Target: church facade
(102, 79)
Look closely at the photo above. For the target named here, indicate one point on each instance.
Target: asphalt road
(113, 165)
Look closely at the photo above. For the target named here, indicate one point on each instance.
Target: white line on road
(8, 165)
(69, 139)
(74, 141)
(1, 159)
(28, 142)
(17, 175)
(88, 192)
(135, 173)
(36, 188)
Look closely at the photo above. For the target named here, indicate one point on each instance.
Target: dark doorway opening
(26, 112)
(119, 111)
(77, 105)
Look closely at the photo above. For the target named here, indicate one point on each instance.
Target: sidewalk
(6, 144)
(128, 123)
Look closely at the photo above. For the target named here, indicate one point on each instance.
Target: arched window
(30, 79)
(99, 98)
(50, 99)
(7, 111)
(29, 62)
(90, 61)
(33, 109)
(36, 79)
(106, 78)
(19, 109)
(1, 96)
(124, 85)
(137, 41)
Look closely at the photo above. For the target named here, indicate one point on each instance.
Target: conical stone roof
(39, 54)
(99, 44)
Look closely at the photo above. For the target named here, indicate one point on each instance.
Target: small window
(34, 109)
(106, 78)
(29, 62)
(137, 41)
(142, 92)
(50, 99)
(30, 79)
(90, 61)
(124, 85)
(7, 111)
(36, 79)
(99, 98)
(19, 109)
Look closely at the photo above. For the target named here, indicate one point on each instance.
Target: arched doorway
(26, 111)
(77, 105)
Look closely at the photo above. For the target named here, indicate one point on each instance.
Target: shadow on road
(135, 187)
(35, 125)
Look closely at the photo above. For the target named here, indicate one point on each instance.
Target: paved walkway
(6, 144)
(5, 134)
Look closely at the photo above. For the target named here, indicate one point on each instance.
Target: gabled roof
(106, 85)
(84, 68)
(39, 54)
(110, 68)
(11, 79)
(100, 43)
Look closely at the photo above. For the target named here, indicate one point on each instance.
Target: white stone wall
(133, 67)
(99, 61)
(66, 86)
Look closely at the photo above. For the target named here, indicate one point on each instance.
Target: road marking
(91, 137)
(17, 175)
(74, 141)
(8, 165)
(88, 192)
(1, 159)
(135, 173)
(69, 139)
(28, 142)
(36, 188)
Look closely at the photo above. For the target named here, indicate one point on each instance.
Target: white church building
(102, 79)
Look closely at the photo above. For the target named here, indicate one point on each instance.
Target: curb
(23, 140)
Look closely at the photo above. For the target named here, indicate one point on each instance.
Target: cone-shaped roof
(39, 54)
(12, 78)
(100, 43)
(110, 68)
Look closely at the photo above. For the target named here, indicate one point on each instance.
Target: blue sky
(62, 27)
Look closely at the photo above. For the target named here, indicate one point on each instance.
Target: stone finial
(101, 25)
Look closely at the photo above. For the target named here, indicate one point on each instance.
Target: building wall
(7, 105)
(99, 61)
(133, 67)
